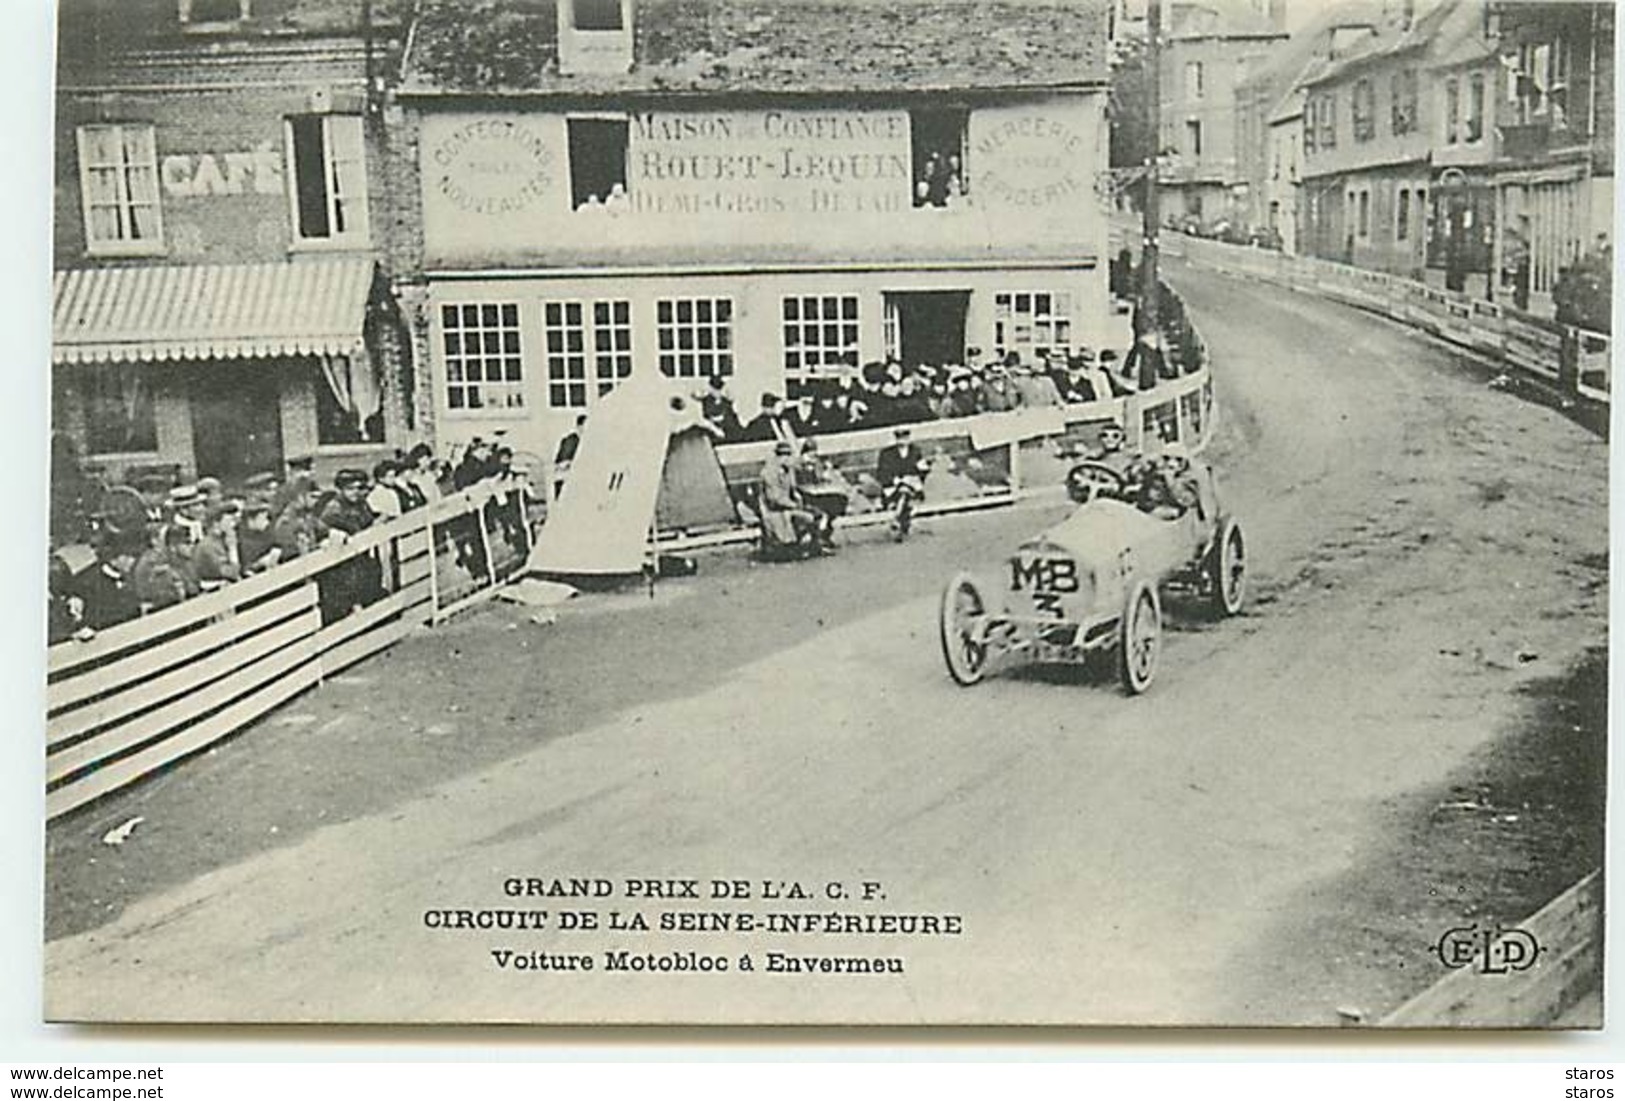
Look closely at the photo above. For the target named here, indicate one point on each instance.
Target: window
(119, 414)
(1326, 121)
(483, 365)
(938, 141)
(1403, 111)
(193, 12)
(1452, 110)
(568, 326)
(1193, 80)
(329, 178)
(1402, 215)
(1309, 126)
(597, 162)
(820, 331)
(118, 179)
(1034, 324)
(696, 336)
(1365, 111)
(1193, 137)
(1365, 214)
(1475, 107)
(349, 401)
(596, 15)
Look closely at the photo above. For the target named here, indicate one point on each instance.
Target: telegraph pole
(1153, 205)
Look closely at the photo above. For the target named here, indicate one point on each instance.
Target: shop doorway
(236, 419)
(926, 326)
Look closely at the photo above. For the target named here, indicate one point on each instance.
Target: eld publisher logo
(1488, 950)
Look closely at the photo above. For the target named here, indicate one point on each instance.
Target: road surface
(1427, 552)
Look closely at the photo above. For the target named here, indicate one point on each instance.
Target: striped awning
(209, 311)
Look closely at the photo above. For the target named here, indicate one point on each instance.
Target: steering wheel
(1088, 480)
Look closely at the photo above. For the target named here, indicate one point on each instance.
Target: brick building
(220, 206)
(771, 191)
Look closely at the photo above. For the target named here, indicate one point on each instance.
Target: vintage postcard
(1085, 512)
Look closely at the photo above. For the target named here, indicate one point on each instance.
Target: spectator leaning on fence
(257, 548)
(215, 557)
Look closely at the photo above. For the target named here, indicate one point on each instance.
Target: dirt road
(1428, 554)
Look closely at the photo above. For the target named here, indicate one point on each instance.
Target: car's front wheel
(1139, 641)
(962, 620)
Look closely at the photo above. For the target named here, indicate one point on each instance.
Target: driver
(1113, 450)
(1113, 454)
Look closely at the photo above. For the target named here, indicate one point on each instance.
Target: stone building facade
(772, 192)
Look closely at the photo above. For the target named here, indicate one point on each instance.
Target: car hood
(1102, 529)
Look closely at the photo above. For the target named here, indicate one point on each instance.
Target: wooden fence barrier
(1578, 360)
(141, 696)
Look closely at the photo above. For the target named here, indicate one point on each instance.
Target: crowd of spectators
(155, 545)
(884, 394)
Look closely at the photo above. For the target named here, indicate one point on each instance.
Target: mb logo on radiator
(1488, 950)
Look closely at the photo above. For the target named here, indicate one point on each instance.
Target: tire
(1139, 639)
(963, 607)
(1227, 570)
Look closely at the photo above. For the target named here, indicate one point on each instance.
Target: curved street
(1275, 832)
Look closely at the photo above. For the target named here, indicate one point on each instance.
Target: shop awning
(209, 311)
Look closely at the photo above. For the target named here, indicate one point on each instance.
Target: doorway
(236, 418)
(926, 326)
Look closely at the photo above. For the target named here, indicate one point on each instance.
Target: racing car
(1092, 585)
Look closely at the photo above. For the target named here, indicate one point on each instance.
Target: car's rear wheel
(1227, 570)
(963, 620)
(1139, 641)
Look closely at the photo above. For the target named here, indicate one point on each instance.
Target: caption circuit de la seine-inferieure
(841, 512)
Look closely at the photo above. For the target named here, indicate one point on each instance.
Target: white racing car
(1092, 585)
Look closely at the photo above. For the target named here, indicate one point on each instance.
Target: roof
(511, 46)
(217, 311)
(1303, 54)
(89, 29)
(1393, 42)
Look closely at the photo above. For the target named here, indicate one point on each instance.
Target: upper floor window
(1475, 107)
(1542, 80)
(597, 163)
(1402, 215)
(1403, 109)
(329, 176)
(1193, 80)
(1327, 112)
(938, 140)
(596, 15)
(1452, 111)
(1193, 137)
(1365, 111)
(118, 180)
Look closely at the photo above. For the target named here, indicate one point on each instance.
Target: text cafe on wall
(218, 301)
(768, 193)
